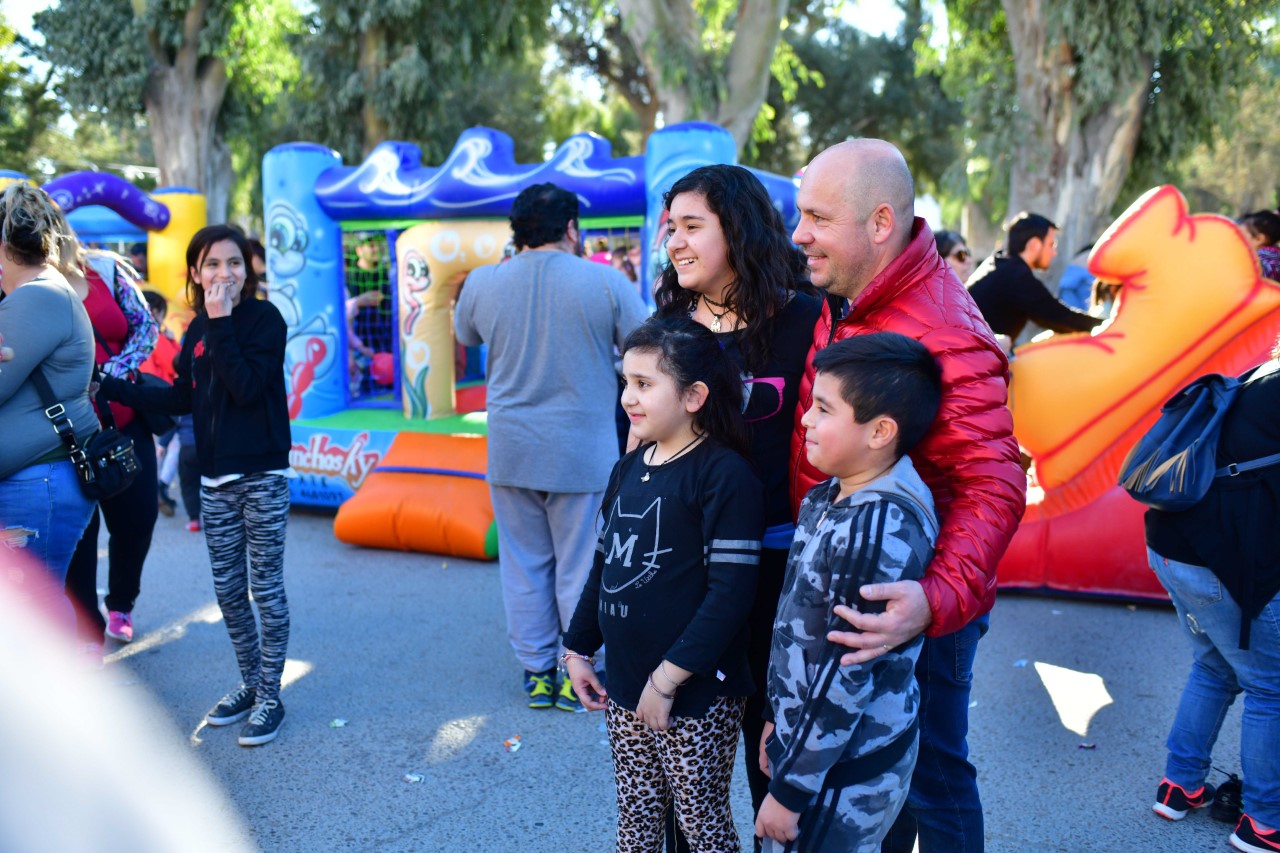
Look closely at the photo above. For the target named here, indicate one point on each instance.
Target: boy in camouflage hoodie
(841, 754)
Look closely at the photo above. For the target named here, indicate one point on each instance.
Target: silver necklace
(715, 318)
(648, 468)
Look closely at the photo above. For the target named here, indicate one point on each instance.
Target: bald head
(857, 206)
(872, 172)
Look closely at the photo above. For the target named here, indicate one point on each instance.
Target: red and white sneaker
(1174, 801)
(194, 525)
(120, 626)
(1250, 839)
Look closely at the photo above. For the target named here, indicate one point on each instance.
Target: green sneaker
(539, 686)
(568, 700)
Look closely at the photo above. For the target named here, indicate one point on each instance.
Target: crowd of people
(795, 550)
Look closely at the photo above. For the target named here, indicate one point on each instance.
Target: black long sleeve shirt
(230, 378)
(1217, 532)
(1009, 294)
(674, 576)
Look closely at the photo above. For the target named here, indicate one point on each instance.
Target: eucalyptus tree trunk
(688, 82)
(1072, 164)
(183, 97)
(372, 62)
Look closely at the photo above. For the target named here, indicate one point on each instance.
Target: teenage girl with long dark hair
(734, 270)
(231, 380)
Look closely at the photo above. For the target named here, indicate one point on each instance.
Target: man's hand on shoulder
(906, 614)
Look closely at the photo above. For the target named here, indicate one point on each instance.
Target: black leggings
(131, 519)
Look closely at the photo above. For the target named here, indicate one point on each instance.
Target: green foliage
(1239, 169)
(976, 70)
(859, 85)
(569, 110)
(89, 142)
(99, 48)
(27, 107)
(1202, 50)
(420, 70)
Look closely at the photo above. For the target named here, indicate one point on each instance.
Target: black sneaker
(1249, 839)
(233, 708)
(1173, 801)
(264, 723)
(1228, 803)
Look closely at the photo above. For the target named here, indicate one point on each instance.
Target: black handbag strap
(57, 414)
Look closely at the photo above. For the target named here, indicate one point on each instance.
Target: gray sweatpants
(546, 543)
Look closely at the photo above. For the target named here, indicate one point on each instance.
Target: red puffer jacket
(969, 457)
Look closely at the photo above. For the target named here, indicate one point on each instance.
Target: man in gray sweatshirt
(552, 321)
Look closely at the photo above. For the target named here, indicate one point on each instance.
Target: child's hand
(591, 692)
(653, 710)
(777, 822)
(764, 756)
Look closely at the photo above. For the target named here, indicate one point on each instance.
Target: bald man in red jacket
(865, 245)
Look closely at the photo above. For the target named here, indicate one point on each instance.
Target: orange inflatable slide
(1192, 302)
(428, 493)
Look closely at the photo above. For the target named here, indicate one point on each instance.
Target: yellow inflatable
(432, 260)
(167, 249)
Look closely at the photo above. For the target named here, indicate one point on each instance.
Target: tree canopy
(1069, 108)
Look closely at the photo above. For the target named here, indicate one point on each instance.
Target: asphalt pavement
(399, 670)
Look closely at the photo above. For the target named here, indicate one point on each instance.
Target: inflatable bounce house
(364, 263)
(1192, 301)
(105, 208)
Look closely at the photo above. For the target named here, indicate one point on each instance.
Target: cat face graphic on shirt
(632, 546)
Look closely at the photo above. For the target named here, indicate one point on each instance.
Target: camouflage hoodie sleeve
(826, 713)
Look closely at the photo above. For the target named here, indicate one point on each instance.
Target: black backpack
(1172, 467)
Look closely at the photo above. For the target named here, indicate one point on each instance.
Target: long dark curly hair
(766, 266)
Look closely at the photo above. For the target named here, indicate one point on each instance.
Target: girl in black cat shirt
(671, 588)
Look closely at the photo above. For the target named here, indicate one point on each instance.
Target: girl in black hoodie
(230, 378)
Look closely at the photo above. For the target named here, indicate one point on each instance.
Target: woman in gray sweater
(43, 512)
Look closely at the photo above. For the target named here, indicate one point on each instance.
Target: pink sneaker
(193, 526)
(120, 626)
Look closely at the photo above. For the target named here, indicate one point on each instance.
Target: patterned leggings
(692, 761)
(252, 511)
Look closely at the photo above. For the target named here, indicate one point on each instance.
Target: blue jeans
(1221, 670)
(42, 514)
(943, 806)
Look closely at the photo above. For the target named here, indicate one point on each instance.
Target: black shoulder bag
(156, 423)
(107, 463)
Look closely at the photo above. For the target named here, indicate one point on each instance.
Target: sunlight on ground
(453, 737)
(1076, 696)
(175, 630)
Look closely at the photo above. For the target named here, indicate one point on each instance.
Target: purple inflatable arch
(80, 189)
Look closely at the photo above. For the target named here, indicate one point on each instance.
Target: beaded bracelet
(655, 689)
(564, 658)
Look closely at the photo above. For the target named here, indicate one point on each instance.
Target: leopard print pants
(692, 762)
